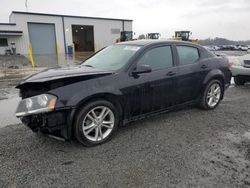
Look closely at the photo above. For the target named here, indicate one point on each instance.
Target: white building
(52, 33)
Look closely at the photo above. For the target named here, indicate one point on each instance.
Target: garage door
(42, 38)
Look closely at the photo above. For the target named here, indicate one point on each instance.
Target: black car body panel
(134, 96)
(59, 73)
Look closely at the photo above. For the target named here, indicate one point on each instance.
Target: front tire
(212, 95)
(238, 81)
(96, 122)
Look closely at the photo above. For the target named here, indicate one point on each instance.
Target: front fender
(70, 96)
(81, 97)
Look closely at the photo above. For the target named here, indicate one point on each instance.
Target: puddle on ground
(7, 111)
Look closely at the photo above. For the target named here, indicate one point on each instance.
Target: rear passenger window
(187, 54)
(157, 58)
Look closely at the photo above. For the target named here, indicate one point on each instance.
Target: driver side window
(157, 58)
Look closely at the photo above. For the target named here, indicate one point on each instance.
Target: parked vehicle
(234, 47)
(141, 37)
(119, 84)
(216, 48)
(243, 48)
(228, 47)
(241, 70)
(212, 48)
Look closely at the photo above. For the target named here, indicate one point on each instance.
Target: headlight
(29, 104)
(35, 105)
(42, 100)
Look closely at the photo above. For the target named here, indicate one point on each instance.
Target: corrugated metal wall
(103, 34)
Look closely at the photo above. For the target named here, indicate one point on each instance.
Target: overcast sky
(205, 18)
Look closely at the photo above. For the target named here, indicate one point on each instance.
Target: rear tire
(239, 81)
(96, 123)
(212, 95)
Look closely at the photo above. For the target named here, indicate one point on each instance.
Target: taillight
(229, 65)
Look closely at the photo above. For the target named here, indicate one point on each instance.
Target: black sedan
(119, 84)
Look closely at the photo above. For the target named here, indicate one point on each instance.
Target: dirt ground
(187, 148)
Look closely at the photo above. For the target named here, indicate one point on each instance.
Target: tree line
(222, 41)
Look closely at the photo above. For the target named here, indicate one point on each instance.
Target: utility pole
(26, 5)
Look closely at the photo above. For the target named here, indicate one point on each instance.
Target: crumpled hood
(63, 73)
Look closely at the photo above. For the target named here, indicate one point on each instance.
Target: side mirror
(142, 69)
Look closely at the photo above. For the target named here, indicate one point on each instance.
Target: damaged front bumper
(56, 123)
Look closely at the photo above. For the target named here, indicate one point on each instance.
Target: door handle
(171, 73)
(204, 66)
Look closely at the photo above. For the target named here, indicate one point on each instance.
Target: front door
(162, 79)
(136, 95)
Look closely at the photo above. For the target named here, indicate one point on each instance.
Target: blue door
(43, 38)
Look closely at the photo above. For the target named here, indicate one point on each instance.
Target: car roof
(147, 42)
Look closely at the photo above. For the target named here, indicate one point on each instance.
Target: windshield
(112, 58)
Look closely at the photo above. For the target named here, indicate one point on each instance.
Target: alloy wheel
(98, 123)
(213, 95)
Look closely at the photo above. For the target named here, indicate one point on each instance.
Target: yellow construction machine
(184, 36)
(125, 36)
(153, 36)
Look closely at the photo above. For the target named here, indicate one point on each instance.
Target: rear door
(191, 72)
(162, 79)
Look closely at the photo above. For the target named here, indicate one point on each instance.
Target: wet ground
(187, 148)
(9, 95)
(14, 69)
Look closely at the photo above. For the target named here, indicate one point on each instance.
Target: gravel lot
(187, 148)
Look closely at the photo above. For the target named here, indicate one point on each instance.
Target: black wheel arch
(114, 99)
(214, 75)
